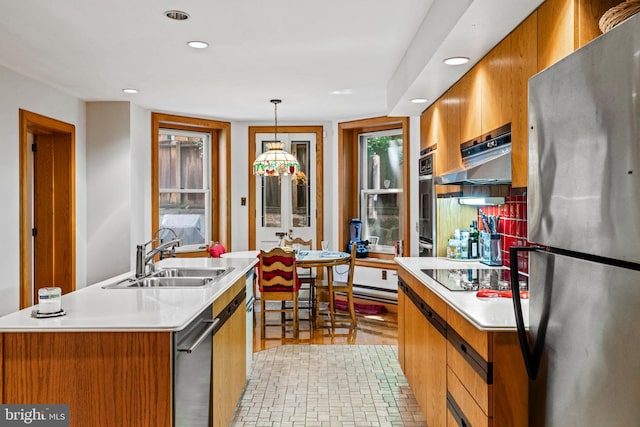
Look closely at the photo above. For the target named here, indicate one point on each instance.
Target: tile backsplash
(512, 228)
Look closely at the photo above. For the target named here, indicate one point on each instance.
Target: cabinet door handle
(202, 336)
(463, 348)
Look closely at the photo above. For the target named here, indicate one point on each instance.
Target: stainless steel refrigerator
(582, 349)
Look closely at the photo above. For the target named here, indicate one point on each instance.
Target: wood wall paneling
(449, 216)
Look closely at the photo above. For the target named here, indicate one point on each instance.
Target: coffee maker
(355, 235)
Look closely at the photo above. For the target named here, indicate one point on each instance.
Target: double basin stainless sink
(171, 278)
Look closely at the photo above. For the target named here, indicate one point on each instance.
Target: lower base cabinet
(460, 375)
(121, 378)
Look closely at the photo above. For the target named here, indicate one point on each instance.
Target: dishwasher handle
(202, 337)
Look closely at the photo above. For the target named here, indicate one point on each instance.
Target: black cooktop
(472, 279)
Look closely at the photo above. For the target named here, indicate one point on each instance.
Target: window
(381, 188)
(191, 179)
(184, 170)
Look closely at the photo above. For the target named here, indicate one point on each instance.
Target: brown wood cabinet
(449, 156)
(470, 91)
(423, 343)
(524, 64)
(495, 79)
(459, 374)
(494, 92)
(119, 378)
(229, 358)
(486, 377)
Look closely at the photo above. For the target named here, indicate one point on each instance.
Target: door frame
(318, 131)
(64, 220)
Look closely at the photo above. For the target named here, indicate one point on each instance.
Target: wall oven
(426, 205)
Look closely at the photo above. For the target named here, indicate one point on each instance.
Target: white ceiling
(383, 52)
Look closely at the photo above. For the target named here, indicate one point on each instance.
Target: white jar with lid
(49, 300)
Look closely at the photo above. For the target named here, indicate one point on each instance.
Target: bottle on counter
(473, 240)
(464, 243)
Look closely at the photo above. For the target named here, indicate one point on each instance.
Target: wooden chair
(278, 281)
(341, 288)
(306, 275)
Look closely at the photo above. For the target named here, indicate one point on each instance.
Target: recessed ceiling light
(419, 100)
(130, 90)
(342, 92)
(177, 15)
(456, 60)
(196, 44)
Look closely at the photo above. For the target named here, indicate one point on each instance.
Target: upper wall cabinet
(435, 121)
(566, 25)
(449, 157)
(524, 64)
(470, 91)
(495, 91)
(495, 78)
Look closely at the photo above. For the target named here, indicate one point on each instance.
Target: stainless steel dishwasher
(192, 363)
(192, 355)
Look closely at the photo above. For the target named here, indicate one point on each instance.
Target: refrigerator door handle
(533, 358)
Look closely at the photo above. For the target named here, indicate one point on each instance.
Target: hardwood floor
(371, 329)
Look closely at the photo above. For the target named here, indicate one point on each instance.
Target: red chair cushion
(287, 275)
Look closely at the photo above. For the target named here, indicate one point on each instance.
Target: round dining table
(308, 259)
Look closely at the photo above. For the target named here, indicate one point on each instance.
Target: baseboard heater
(373, 293)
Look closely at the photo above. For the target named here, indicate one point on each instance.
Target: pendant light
(275, 161)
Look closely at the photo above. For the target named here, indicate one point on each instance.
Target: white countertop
(486, 314)
(96, 309)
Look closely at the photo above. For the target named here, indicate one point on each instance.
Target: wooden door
(47, 206)
(43, 213)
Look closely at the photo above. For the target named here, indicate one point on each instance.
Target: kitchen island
(460, 353)
(111, 358)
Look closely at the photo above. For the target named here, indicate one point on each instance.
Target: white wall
(140, 172)
(118, 186)
(20, 92)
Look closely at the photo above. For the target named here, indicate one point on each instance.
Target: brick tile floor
(328, 385)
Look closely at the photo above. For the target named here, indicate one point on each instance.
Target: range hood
(485, 160)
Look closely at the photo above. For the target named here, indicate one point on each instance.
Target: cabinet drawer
(462, 409)
(476, 384)
(479, 340)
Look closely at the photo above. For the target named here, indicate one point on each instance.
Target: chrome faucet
(143, 259)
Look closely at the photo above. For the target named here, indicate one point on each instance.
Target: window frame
(206, 179)
(348, 176)
(219, 174)
(363, 185)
